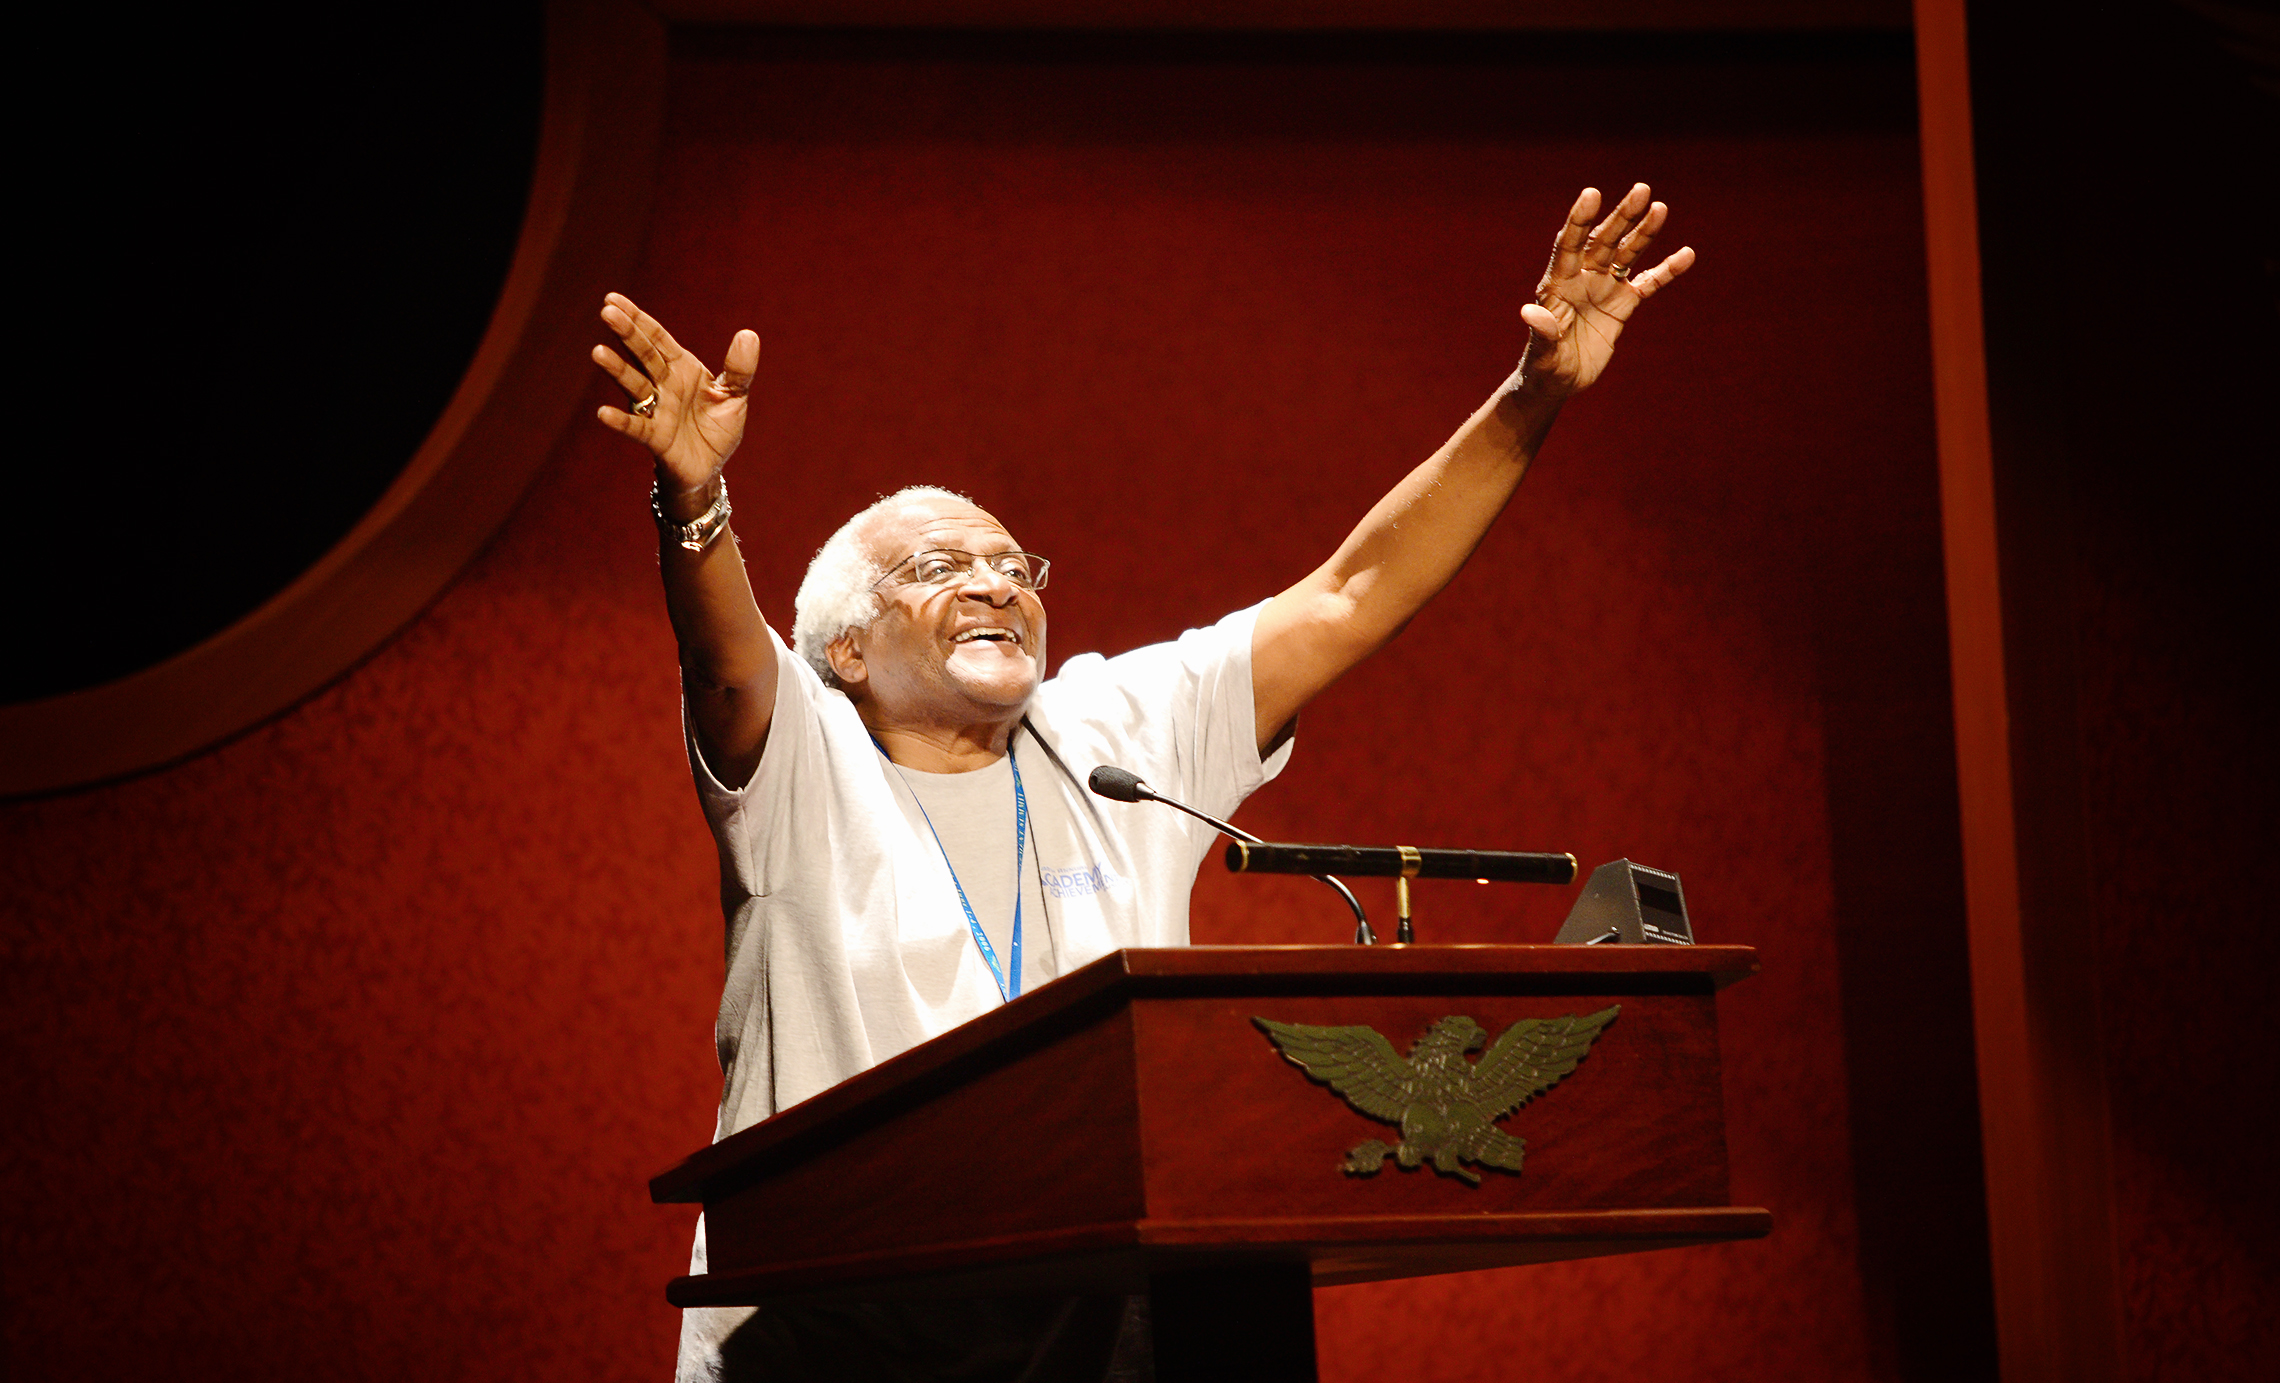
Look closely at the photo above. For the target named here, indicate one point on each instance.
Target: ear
(846, 656)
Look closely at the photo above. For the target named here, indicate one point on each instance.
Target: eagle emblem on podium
(1445, 1105)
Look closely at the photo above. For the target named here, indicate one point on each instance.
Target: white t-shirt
(846, 940)
(973, 816)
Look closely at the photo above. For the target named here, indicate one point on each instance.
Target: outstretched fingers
(1678, 262)
(1545, 322)
(1568, 244)
(632, 426)
(642, 334)
(634, 382)
(1635, 243)
(1600, 245)
(743, 359)
(636, 385)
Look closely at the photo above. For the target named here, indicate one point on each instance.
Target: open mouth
(1004, 636)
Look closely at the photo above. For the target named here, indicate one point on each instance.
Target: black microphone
(1402, 861)
(1123, 785)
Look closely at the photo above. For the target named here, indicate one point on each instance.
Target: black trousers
(979, 1340)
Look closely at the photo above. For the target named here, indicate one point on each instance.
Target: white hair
(835, 595)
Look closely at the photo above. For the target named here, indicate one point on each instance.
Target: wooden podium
(1129, 1128)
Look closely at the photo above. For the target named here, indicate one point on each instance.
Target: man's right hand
(728, 658)
(698, 418)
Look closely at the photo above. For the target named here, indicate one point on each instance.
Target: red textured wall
(355, 1040)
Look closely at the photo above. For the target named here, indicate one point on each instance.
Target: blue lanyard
(1007, 989)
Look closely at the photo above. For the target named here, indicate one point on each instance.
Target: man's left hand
(1591, 288)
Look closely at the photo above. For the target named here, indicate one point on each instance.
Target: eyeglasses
(944, 566)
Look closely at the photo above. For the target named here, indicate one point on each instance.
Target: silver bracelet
(700, 532)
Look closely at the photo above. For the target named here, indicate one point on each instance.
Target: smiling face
(963, 655)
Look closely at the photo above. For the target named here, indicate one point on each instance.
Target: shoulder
(812, 727)
(1210, 651)
(1159, 710)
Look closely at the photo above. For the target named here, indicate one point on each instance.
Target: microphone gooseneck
(1123, 785)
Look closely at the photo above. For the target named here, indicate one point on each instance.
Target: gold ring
(647, 407)
(1621, 271)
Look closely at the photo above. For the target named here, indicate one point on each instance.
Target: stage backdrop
(348, 1047)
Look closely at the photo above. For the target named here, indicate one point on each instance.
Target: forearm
(1410, 545)
(723, 638)
(1418, 537)
(691, 420)
(1413, 542)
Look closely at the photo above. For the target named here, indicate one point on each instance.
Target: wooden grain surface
(1131, 1119)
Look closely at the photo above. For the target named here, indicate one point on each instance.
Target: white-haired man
(905, 836)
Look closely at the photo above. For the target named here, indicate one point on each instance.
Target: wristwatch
(696, 534)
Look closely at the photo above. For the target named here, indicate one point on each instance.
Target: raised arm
(1416, 538)
(691, 420)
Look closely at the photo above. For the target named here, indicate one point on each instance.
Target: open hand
(1589, 290)
(693, 418)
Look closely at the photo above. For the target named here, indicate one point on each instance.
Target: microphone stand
(1122, 785)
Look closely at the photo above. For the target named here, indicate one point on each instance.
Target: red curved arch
(589, 204)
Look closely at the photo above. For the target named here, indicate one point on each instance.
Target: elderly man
(905, 836)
